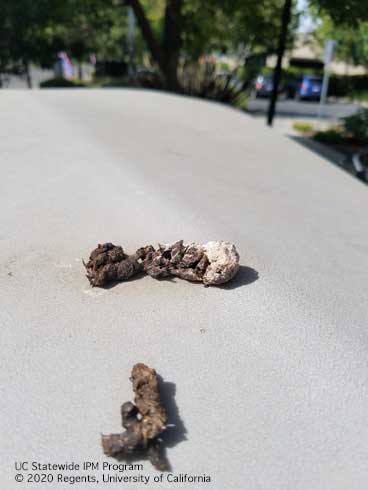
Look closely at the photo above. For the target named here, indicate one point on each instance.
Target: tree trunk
(167, 55)
(172, 43)
(286, 15)
(28, 74)
(147, 33)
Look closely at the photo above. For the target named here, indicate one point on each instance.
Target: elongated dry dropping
(212, 263)
(143, 421)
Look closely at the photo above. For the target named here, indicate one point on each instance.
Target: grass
(303, 127)
(361, 96)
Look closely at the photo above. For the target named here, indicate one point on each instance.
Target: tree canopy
(168, 30)
(352, 41)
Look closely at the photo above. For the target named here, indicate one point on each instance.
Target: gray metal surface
(270, 373)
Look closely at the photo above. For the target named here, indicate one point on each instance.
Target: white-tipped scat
(224, 262)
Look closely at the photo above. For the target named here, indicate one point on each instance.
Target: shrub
(346, 85)
(60, 83)
(195, 81)
(357, 125)
(330, 136)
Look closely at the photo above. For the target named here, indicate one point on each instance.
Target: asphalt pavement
(265, 379)
(289, 108)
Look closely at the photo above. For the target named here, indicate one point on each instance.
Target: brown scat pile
(185, 261)
(143, 421)
(108, 263)
(212, 263)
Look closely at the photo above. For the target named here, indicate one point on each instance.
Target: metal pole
(328, 56)
(130, 42)
(324, 91)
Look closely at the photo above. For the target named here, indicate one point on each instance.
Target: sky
(306, 22)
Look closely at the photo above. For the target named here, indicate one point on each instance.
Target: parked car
(306, 87)
(264, 86)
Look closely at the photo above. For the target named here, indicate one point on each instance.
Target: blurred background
(308, 56)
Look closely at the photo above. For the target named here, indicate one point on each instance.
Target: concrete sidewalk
(265, 378)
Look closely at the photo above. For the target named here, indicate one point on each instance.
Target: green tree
(173, 30)
(343, 12)
(352, 41)
(21, 32)
(33, 31)
(192, 27)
